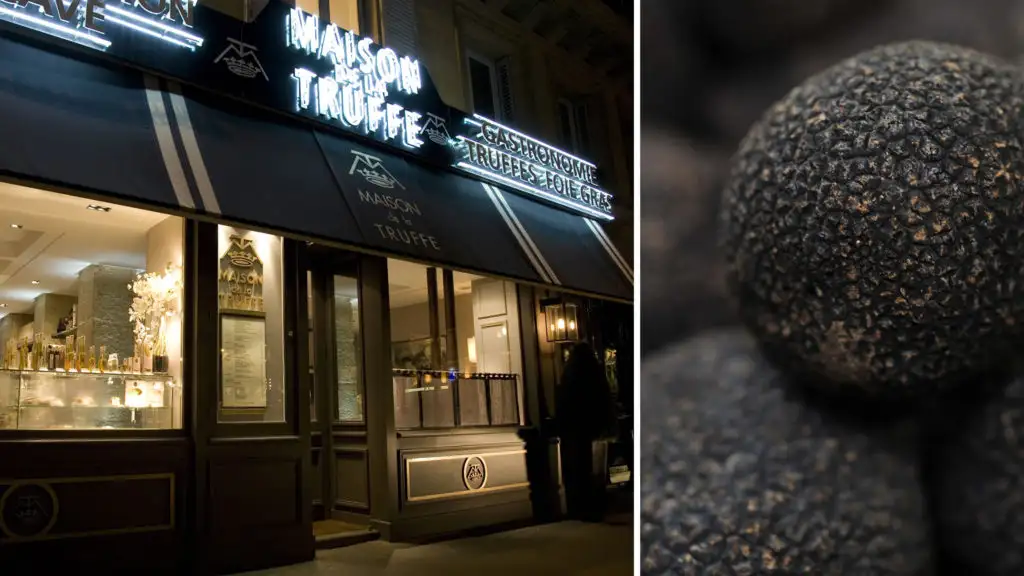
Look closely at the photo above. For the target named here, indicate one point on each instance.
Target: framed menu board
(243, 362)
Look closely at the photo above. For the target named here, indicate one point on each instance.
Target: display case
(53, 400)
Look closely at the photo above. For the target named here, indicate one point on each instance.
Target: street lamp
(561, 319)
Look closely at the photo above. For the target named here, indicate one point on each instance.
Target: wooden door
(251, 430)
(340, 461)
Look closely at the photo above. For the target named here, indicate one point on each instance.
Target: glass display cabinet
(48, 400)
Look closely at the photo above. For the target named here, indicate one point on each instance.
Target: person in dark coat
(586, 416)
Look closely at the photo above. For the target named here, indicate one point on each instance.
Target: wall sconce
(471, 349)
(562, 321)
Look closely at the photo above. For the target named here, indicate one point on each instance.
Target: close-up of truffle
(739, 476)
(872, 222)
(979, 476)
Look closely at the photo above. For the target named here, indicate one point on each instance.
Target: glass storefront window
(348, 349)
(250, 326)
(90, 314)
(461, 373)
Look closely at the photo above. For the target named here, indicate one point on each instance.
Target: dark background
(709, 69)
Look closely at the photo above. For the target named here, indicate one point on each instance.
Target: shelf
(67, 332)
(84, 375)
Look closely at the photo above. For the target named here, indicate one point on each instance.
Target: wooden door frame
(324, 264)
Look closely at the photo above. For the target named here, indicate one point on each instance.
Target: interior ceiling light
(98, 208)
(3, 305)
(16, 226)
(35, 282)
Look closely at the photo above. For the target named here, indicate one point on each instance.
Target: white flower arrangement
(157, 298)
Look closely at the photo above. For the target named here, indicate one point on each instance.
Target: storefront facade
(257, 275)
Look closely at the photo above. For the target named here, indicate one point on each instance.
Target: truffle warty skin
(872, 223)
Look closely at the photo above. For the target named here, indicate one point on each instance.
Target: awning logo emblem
(373, 170)
(240, 58)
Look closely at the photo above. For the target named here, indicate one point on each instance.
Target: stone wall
(103, 302)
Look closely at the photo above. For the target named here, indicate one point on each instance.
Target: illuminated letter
(303, 31)
(393, 120)
(331, 46)
(413, 129)
(365, 56)
(351, 55)
(154, 7)
(374, 113)
(411, 82)
(93, 17)
(65, 13)
(387, 65)
(327, 98)
(353, 105)
(183, 10)
(303, 78)
(44, 5)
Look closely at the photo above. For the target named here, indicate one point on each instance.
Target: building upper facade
(558, 69)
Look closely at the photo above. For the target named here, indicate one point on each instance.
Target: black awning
(252, 166)
(408, 209)
(80, 124)
(73, 123)
(573, 251)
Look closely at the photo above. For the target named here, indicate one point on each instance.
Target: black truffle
(739, 476)
(873, 224)
(980, 497)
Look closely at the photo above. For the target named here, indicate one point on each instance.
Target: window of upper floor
(344, 13)
(490, 93)
(574, 126)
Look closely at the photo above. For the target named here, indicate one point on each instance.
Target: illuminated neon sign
(356, 94)
(503, 155)
(85, 22)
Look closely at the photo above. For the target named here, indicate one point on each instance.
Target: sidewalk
(559, 549)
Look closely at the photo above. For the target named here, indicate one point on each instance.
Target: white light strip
(532, 163)
(532, 139)
(49, 25)
(512, 213)
(534, 191)
(148, 32)
(517, 234)
(152, 23)
(613, 252)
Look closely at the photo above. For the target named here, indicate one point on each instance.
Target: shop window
(90, 314)
(574, 126)
(250, 326)
(456, 351)
(348, 350)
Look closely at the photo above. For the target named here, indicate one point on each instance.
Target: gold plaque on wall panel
(472, 475)
(57, 508)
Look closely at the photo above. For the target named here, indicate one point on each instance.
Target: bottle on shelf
(92, 358)
(102, 360)
(81, 362)
(69, 354)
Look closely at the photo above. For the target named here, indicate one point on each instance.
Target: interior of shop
(461, 367)
(90, 314)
